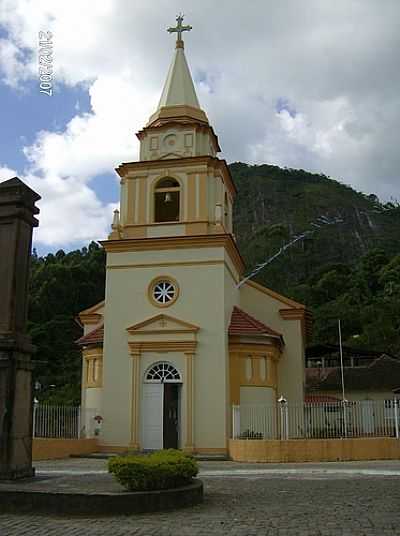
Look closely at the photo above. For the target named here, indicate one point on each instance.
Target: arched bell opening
(167, 200)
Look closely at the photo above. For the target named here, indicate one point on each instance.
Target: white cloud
(70, 213)
(6, 173)
(11, 63)
(335, 63)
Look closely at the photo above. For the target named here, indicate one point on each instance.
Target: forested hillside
(61, 286)
(350, 270)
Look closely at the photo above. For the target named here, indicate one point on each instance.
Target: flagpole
(342, 375)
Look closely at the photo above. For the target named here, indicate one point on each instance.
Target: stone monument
(17, 219)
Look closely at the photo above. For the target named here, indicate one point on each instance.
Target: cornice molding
(210, 161)
(90, 318)
(176, 242)
(137, 348)
(279, 297)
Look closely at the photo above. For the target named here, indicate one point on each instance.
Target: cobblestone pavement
(312, 500)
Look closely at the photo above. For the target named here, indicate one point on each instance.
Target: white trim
(163, 380)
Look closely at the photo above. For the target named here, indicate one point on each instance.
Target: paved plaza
(347, 499)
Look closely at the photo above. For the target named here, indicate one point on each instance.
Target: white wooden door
(152, 416)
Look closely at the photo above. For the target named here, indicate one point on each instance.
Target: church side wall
(291, 363)
(200, 276)
(231, 298)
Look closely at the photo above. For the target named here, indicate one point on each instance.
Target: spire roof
(179, 87)
(178, 97)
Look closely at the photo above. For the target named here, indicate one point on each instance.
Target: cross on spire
(178, 29)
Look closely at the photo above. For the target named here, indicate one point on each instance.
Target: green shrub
(161, 470)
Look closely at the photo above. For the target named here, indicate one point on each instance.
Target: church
(180, 337)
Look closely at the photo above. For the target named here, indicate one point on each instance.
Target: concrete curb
(103, 504)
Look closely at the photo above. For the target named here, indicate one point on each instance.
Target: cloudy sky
(310, 84)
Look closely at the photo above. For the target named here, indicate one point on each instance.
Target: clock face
(169, 141)
(164, 292)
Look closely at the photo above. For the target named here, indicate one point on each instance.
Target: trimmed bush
(163, 469)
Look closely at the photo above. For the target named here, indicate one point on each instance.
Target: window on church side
(166, 201)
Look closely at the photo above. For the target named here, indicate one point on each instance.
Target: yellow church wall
(154, 231)
(56, 449)
(314, 450)
(201, 302)
(93, 399)
(257, 395)
(164, 258)
(231, 298)
(239, 377)
(291, 362)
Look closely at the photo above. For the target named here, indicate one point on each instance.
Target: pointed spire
(178, 97)
(179, 87)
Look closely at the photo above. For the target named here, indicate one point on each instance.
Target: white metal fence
(366, 418)
(63, 422)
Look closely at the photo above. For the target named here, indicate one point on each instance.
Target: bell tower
(171, 281)
(178, 187)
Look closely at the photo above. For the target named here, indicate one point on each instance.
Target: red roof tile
(241, 324)
(321, 399)
(244, 324)
(95, 336)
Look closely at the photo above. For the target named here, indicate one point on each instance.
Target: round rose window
(163, 291)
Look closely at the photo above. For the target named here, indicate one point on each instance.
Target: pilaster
(135, 400)
(189, 439)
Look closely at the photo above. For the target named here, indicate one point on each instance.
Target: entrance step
(98, 455)
(211, 457)
(106, 455)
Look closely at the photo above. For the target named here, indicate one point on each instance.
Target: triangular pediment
(92, 315)
(170, 155)
(163, 323)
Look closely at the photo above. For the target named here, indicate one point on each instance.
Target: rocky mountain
(274, 204)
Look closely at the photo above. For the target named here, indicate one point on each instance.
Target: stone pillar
(17, 211)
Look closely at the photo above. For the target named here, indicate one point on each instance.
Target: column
(17, 219)
(189, 442)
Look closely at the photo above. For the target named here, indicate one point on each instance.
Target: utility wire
(320, 222)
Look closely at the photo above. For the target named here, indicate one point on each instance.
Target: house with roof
(180, 337)
(367, 374)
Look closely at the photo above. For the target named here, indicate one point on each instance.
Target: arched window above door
(163, 373)
(166, 200)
